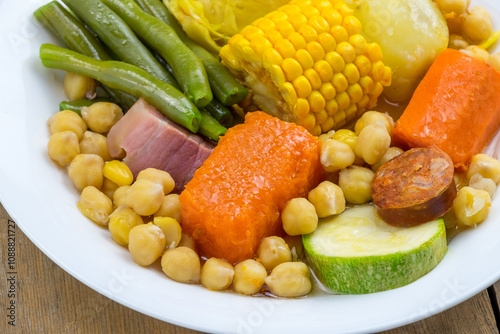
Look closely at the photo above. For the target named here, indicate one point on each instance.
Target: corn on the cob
(307, 63)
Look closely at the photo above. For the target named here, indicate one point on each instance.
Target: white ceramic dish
(41, 199)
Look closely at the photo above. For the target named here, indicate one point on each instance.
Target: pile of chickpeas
(471, 29)
(351, 159)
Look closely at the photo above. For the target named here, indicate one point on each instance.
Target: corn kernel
(276, 16)
(324, 70)
(316, 101)
(277, 75)
(308, 33)
(343, 100)
(313, 78)
(332, 16)
(121, 221)
(347, 52)
(249, 55)
(316, 130)
(290, 9)
(271, 57)
(362, 105)
(327, 90)
(251, 32)
(386, 81)
(344, 9)
(291, 69)
(321, 117)
(260, 45)
(327, 42)
(377, 90)
(94, 205)
(297, 20)
(118, 172)
(264, 24)
(351, 73)
(374, 52)
(289, 94)
(352, 25)
(378, 71)
(332, 107)
(346, 136)
(285, 28)
(328, 124)
(316, 50)
(309, 11)
(339, 33)
(319, 24)
(298, 41)
(335, 60)
(355, 92)
(63, 147)
(366, 84)
(359, 44)
(322, 5)
(363, 64)
(340, 82)
(171, 230)
(285, 48)
(350, 112)
(339, 118)
(308, 122)
(302, 86)
(304, 58)
(272, 36)
(302, 108)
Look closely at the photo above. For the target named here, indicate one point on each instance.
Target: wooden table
(49, 300)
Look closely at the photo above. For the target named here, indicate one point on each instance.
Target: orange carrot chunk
(235, 198)
(456, 107)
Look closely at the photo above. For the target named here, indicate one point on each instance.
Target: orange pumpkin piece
(456, 107)
(235, 198)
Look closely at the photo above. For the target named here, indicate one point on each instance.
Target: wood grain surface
(49, 300)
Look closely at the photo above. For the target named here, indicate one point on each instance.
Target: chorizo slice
(415, 187)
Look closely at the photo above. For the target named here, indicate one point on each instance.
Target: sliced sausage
(415, 187)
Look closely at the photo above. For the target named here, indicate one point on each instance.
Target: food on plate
(101, 116)
(388, 155)
(145, 197)
(289, 279)
(170, 207)
(457, 99)
(63, 147)
(235, 197)
(355, 182)
(95, 143)
(336, 155)
(327, 198)
(411, 34)
(171, 230)
(307, 63)
(273, 251)
(86, 170)
(78, 86)
(146, 243)
(211, 23)
(249, 277)
(415, 187)
(67, 121)
(299, 217)
(94, 205)
(356, 252)
(118, 172)
(121, 221)
(217, 274)
(471, 206)
(149, 140)
(181, 264)
(486, 166)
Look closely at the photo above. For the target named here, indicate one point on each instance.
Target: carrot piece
(235, 199)
(456, 107)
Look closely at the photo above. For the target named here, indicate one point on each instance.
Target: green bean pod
(129, 78)
(210, 127)
(77, 105)
(117, 35)
(78, 38)
(220, 112)
(187, 67)
(224, 86)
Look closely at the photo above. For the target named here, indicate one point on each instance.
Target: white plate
(41, 199)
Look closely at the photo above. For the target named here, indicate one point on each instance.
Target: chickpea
(290, 279)
(77, 86)
(171, 229)
(95, 143)
(477, 24)
(477, 52)
(63, 147)
(170, 207)
(109, 187)
(146, 243)
(494, 60)
(101, 116)
(67, 120)
(453, 6)
(373, 117)
(373, 141)
(388, 155)
(145, 197)
(121, 221)
(86, 170)
(181, 264)
(158, 176)
(327, 198)
(477, 181)
(187, 241)
(94, 205)
(336, 155)
(120, 195)
(356, 184)
(485, 165)
(457, 42)
(273, 251)
(217, 274)
(471, 206)
(299, 217)
(249, 276)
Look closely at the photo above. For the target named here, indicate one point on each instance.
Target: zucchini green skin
(369, 274)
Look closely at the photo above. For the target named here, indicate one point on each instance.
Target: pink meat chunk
(149, 140)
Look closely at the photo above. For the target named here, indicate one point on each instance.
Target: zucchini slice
(356, 252)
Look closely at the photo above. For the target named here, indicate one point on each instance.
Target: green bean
(220, 112)
(210, 127)
(224, 86)
(77, 105)
(129, 78)
(78, 38)
(187, 67)
(118, 36)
